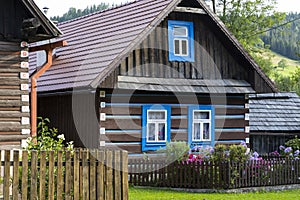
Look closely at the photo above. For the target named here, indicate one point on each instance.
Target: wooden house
(150, 72)
(274, 119)
(21, 22)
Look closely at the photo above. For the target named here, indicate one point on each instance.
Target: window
(156, 126)
(181, 41)
(201, 125)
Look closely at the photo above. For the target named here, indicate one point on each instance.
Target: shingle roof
(98, 42)
(277, 112)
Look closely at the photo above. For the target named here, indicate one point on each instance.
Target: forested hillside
(74, 13)
(285, 40)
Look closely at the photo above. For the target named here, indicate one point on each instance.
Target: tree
(247, 18)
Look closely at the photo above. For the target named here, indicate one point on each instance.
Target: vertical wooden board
(15, 187)
(100, 175)
(76, 176)
(42, 174)
(130, 64)
(6, 180)
(51, 185)
(24, 183)
(92, 176)
(60, 180)
(81, 173)
(109, 176)
(85, 175)
(117, 176)
(68, 176)
(33, 175)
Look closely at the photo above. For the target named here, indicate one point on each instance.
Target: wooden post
(42, 174)
(33, 175)
(76, 176)
(16, 175)
(24, 174)
(51, 176)
(60, 180)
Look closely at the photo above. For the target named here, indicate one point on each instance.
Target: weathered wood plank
(24, 174)
(68, 176)
(124, 174)
(6, 179)
(15, 185)
(60, 179)
(33, 175)
(42, 175)
(51, 180)
(109, 176)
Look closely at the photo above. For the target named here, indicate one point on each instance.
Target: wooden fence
(82, 174)
(208, 175)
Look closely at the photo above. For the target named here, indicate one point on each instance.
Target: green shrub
(175, 151)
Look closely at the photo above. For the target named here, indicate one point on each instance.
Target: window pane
(180, 31)
(176, 47)
(206, 133)
(197, 130)
(156, 115)
(151, 132)
(201, 115)
(161, 131)
(184, 44)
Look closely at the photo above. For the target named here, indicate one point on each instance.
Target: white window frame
(156, 122)
(181, 38)
(201, 122)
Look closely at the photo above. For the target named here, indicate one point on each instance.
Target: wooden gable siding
(122, 116)
(212, 58)
(11, 103)
(11, 21)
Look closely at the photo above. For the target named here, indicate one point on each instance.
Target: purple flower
(243, 143)
(288, 149)
(255, 154)
(281, 147)
(296, 153)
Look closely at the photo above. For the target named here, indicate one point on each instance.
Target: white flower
(62, 136)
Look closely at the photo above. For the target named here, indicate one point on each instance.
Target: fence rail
(80, 174)
(209, 175)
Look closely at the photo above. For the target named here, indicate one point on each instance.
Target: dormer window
(181, 41)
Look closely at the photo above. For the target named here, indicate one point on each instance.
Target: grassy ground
(154, 194)
(276, 58)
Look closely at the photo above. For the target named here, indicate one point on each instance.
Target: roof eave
(51, 29)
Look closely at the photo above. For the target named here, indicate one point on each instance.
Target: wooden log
(5, 138)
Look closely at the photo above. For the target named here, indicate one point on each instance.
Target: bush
(175, 151)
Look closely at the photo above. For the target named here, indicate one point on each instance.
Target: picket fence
(218, 175)
(80, 174)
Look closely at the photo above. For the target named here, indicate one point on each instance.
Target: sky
(60, 7)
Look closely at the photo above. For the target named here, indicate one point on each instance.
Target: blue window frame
(181, 41)
(201, 126)
(156, 126)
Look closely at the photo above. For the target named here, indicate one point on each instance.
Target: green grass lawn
(155, 194)
(276, 58)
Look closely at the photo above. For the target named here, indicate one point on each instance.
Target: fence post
(16, 175)
(228, 175)
(24, 174)
(42, 174)
(60, 180)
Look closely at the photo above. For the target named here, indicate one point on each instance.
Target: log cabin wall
(213, 60)
(121, 116)
(14, 95)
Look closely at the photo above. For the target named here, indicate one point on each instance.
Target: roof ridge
(100, 11)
